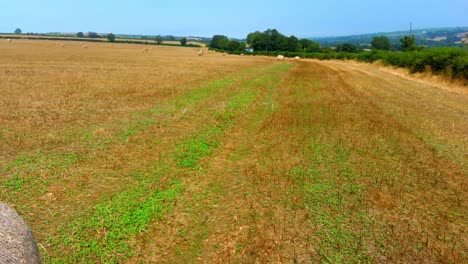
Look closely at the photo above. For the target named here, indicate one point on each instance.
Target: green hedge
(451, 62)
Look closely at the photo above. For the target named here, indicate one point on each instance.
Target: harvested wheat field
(116, 153)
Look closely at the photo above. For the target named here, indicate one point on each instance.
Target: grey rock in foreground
(17, 243)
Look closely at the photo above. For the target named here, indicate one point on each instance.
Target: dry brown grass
(104, 39)
(77, 100)
(49, 86)
(426, 78)
(332, 129)
(421, 200)
(323, 162)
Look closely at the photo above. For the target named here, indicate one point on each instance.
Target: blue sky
(232, 18)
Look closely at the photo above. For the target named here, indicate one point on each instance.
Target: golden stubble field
(125, 153)
(63, 103)
(48, 87)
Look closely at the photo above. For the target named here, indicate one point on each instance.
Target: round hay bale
(17, 243)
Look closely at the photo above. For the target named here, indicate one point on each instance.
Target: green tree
(183, 41)
(93, 35)
(309, 45)
(235, 45)
(346, 47)
(269, 40)
(80, 34)
(219, 42)
(293, 44)
(253, 37)
(257, 40)
(159, 39)
(18, 31)
(111, 37)
(381, 43)
(272, 40)
(408, 43)
(275, 40)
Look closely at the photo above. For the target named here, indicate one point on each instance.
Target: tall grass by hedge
(451, 62)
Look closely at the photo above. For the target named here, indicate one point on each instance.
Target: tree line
(273, 40)
(270, 40)
(452, 62)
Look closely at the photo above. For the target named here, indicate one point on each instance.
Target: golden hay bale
(17, 243)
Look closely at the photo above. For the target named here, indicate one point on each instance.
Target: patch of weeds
(328, 187)
(14, 183)
(21, 161)
(189, 153)
(129, 132)
(180, 232)
(196, 95)
(50, 161)
(31, 166)
(136, 128)
(103, 235)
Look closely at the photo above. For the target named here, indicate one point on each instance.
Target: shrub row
(451, 62)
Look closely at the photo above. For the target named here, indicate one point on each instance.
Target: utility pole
(411, 29)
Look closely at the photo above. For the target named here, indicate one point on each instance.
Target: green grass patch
(137, 127)
(103, 236)
(42, 161)
(330, 192)
(14, 183)
(190, 152)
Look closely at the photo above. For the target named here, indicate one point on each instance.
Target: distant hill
(429, 37)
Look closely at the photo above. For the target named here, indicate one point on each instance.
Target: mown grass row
(321, 177)
(192, 236)
(329, 187)
(373, 190)
(107, 232)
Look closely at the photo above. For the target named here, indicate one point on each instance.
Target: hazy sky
(208, 17)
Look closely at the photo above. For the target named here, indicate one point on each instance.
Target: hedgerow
(451, 62)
